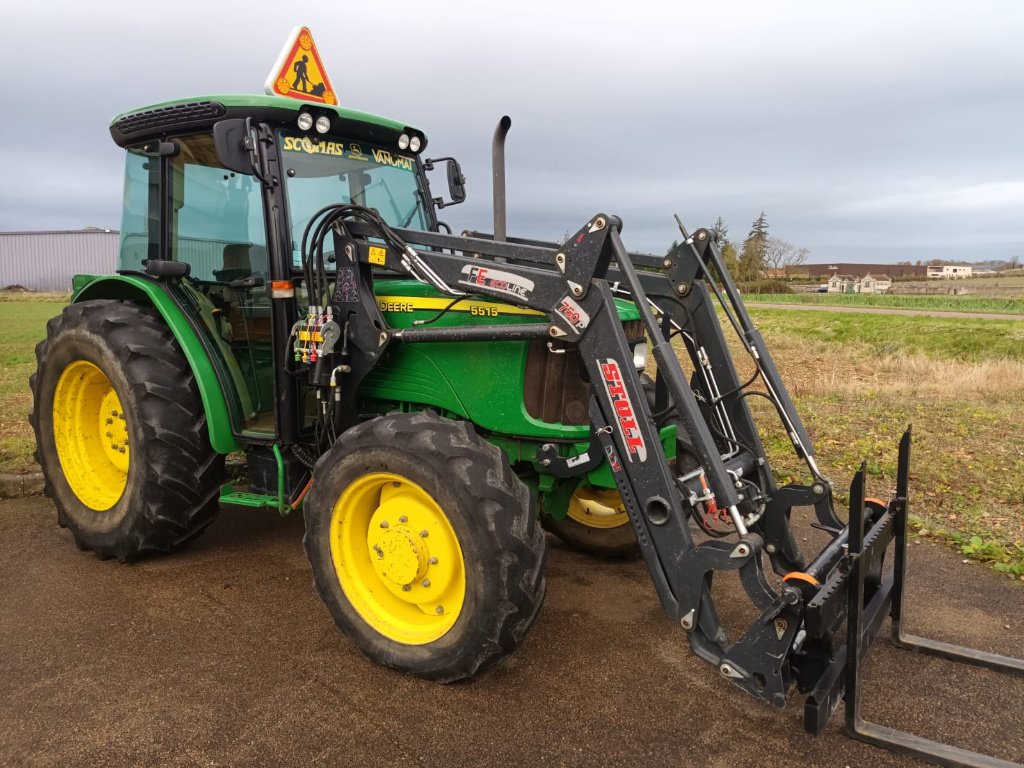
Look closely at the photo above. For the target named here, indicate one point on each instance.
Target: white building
(842, 284)
(949, 271)
(867, 284)
(874, 284)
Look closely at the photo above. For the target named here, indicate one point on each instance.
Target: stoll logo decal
(496, 280)
(628, 426)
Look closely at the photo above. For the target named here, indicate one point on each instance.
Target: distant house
(949, 271)
(867, 284)
(874, 284)
(842, 284)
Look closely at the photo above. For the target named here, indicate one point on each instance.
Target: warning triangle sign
(299, 72)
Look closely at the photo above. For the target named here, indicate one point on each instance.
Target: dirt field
(221, 655)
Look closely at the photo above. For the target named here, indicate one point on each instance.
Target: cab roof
(200, 113)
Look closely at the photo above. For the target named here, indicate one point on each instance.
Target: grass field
(858, 380)
(1012, 306)
(23, 318)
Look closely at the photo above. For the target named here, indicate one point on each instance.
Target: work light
(305, 121)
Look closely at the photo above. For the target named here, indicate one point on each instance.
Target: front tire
(121, 432)
(423, 545)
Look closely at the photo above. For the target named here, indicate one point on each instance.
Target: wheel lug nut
(426, 582)
(406, 587)
(383, 523)
(439, 610)
(110, 421)
(424, 534)
(403, 519)
(433, 561)
(110, 434)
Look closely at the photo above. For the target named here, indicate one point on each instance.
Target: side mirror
(456, 181)
(234, 144)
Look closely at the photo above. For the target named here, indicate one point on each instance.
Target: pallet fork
(721, 480)
(864, 617)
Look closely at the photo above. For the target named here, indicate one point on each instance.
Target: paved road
(221, 655)
(887, 311)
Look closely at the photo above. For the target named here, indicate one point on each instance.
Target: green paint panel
(128, 287)
(480, 381)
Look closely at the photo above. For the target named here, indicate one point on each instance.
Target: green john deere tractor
(429, 400)
(235, 324)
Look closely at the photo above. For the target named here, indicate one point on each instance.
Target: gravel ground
(222, 655)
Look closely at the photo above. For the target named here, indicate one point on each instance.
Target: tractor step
(229, 496)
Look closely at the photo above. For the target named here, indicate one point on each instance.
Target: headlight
(305, 121)
(323, 124)
(403, 141)
(414, 143)
(640, 356)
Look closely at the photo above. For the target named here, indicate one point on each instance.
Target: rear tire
(423, 545)
(121, 432)
(596, 523)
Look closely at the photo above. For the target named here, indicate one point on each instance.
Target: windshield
(329, 170)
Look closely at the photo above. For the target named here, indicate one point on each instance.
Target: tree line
(760, 253)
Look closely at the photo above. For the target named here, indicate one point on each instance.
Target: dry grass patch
(815, 368)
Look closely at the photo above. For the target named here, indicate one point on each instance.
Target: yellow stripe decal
(473, 307)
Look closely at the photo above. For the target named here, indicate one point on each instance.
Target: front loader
(428, 400)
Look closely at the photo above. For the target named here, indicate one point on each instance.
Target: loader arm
(724, 471)
(720, 484)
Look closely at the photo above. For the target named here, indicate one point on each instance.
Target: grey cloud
(866, 130)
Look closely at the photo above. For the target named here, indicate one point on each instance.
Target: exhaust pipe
(498, 171)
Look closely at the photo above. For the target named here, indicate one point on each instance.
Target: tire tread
(175, 495)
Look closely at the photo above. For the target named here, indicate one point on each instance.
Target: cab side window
(218, 224)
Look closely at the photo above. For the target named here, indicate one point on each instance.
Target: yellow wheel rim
(90, 430)
(598, 507)
(397, 558)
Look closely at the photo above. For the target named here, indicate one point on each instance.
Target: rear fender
(139, 290)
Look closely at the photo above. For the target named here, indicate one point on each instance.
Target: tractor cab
(218, 193)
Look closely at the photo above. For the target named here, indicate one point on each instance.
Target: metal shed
(45, 261)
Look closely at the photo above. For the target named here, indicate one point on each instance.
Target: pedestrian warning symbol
(299, 73)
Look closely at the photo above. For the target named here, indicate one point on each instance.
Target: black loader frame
(721, 478)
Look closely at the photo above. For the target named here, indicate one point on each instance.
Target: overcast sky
(866, 131)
